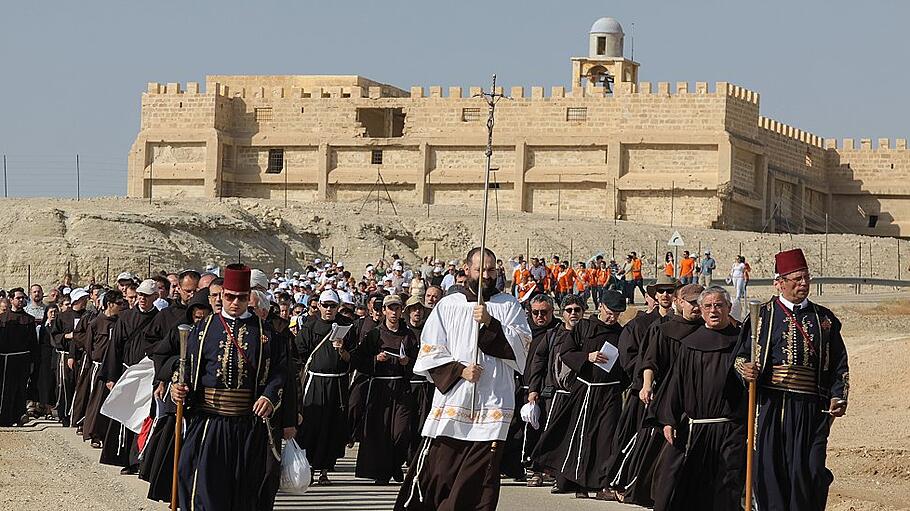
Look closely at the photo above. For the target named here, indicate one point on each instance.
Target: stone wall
(581, 150)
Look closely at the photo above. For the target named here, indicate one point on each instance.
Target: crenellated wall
(700, 154)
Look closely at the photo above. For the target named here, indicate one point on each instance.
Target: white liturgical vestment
(449, 335)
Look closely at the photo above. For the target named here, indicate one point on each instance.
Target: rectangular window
(263, 114)
(601, 45)
(577, 114)
(873, 220)
(276, 161)
(227, 157)
(381, 122)
(376, 157)
(470, 114)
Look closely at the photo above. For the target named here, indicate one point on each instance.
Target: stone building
(688, 154)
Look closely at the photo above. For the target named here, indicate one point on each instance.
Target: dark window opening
(577, 114)
(381, 122)
(376, 157)
(601, 45)
(873, 220)
(276, 161)
(494, 186)
(471, 114)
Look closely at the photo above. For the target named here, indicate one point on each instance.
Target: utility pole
(77, 178)
(151, 176)
(285, 162)
(5, 191)
(672, 200)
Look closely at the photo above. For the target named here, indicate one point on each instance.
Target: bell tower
(605, 64)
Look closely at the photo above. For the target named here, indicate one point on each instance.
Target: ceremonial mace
(491, 98)
(184, 332)
(754, 315)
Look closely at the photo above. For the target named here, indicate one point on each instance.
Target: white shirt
(738, 270)
(788, 304)
(450, 335)
(447, 281)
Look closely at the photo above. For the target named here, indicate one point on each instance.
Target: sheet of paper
(612, 354)
(392, 353)
(339, 332)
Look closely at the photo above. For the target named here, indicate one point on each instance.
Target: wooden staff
(184, 332)
(754, 314)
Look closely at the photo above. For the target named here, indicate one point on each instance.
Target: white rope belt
(3, 383)
(716, 420)
(581, 421)
(16, 353)
(309, 380)
(328, 375)
(387, 377)
(558, 393)
(417, 382)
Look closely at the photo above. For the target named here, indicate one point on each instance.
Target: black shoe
(381, 482)
(130, 470)
(556, 490)
(581, 495)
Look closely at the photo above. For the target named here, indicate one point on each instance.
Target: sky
(72, 73)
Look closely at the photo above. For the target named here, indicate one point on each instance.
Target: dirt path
(44, 466)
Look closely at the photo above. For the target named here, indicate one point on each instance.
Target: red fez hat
(237, 278)
(790, 261)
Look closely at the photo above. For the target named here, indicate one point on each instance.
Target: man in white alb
(457, 467)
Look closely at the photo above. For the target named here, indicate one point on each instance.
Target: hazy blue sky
(71, 73)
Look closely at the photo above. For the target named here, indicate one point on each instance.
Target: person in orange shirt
(686, 269)
(553, 277)
(669, 268)
(520, 271)
(601, 280)
(636, 281)
(525, 288)
(565, 281)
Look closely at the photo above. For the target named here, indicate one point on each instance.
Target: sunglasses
(663, 291)
(540, 312)
(328, 305)
(573, 310)
(231, 297)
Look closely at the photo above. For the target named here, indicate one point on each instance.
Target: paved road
(351, 494)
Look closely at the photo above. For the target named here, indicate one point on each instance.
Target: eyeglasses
(710, 306)
(328, 305)
(663, 291)
(231, 297)
(573, 310)
(540, 312)
(802, 278)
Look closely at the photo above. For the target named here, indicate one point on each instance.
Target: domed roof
(606, 26)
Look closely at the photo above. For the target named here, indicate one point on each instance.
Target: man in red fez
(800, 364)
(235, 373)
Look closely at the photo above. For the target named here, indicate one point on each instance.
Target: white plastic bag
(530, 413)
(295, 469)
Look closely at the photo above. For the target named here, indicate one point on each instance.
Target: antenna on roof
(632, 42)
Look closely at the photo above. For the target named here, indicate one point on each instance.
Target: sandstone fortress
(694, 155)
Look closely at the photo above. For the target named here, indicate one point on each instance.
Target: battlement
(438, 92)
(791, 132)
(865, 144)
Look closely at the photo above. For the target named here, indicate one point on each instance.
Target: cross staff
(491, 98)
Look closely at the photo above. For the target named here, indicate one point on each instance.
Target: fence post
(898, 258)
(107, 271)
(29, 278)
(859, 286)
(149, 274)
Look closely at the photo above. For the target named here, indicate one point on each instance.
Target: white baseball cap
(78, 293)
(329, 296)
(147, 287)
(125, 276)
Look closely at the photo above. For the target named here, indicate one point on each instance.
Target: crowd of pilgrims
(662, 426)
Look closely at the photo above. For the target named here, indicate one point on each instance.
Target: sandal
(96, 444)
(535, 481)
(323, 480)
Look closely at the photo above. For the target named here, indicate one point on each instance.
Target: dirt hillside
(54, 234)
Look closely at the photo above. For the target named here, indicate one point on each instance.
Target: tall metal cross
(491, 97)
